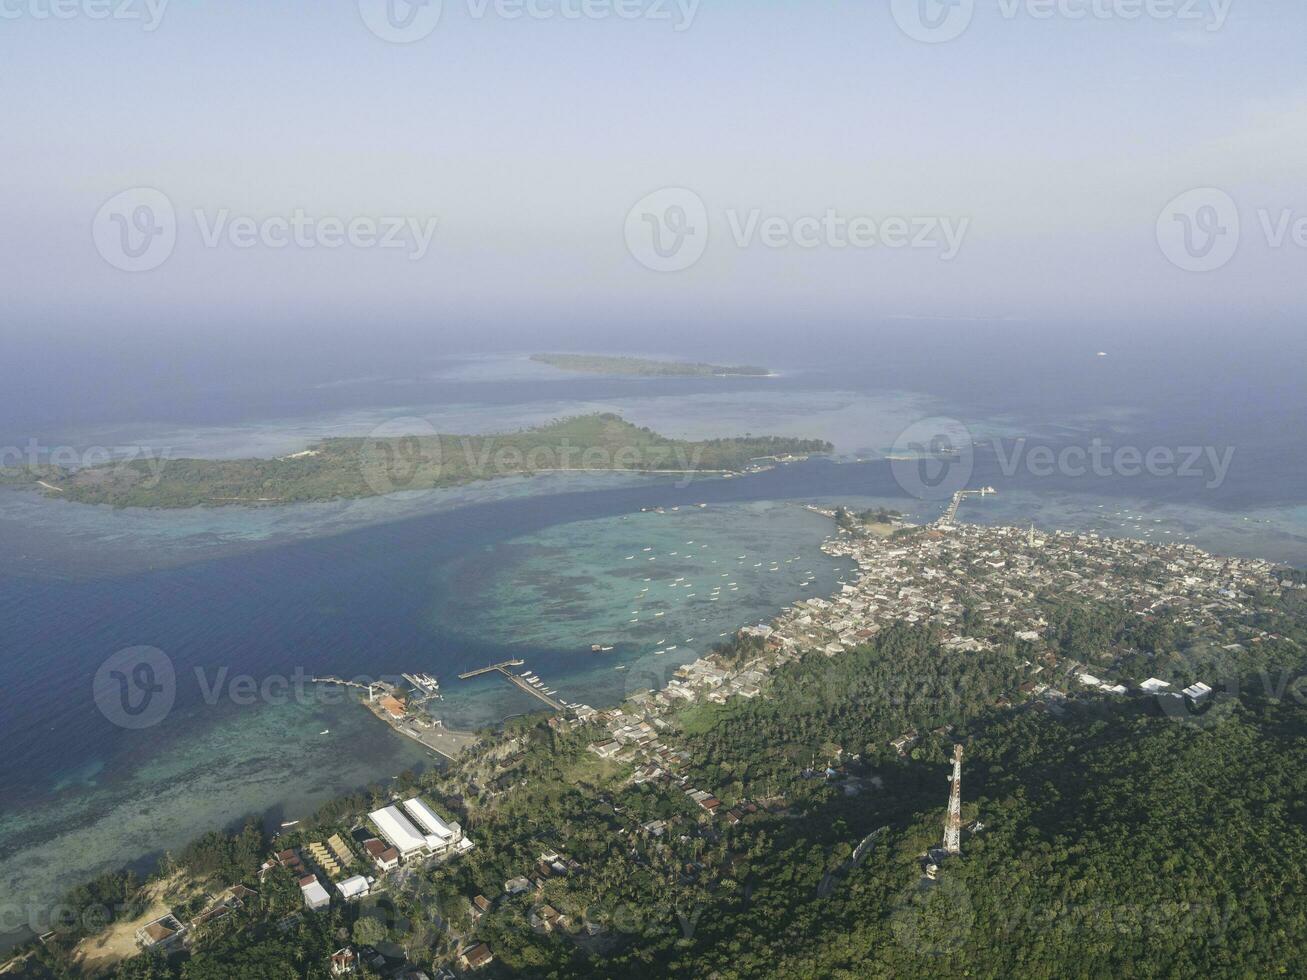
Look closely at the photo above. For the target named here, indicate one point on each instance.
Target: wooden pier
(519, 682)
(502, 668)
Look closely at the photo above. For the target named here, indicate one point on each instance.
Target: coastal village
(943, 575)
(938, 576)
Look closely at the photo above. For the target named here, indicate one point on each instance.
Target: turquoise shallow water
(539, 578)
(659, 588)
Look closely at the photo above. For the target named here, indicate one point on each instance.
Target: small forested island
(368, 466)
(645, 367)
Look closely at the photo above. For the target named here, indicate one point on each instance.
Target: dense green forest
(1114, 838)
(343, 468)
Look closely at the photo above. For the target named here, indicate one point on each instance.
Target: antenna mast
(953, 822)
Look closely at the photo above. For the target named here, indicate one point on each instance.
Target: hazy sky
(1050, 146)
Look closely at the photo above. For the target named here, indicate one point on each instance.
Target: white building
(352, 888)
(315, 896)
(398, 831)
(445, 834)
(427, 819)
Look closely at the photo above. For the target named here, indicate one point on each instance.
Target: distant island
(645, 368)
(345, 468)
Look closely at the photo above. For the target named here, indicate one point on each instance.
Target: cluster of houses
(168, 931)
(941, 576)
(414, 832)
(327, 862)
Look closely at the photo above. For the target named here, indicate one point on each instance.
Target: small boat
(289, 823)
(325, 731)
(623, 667)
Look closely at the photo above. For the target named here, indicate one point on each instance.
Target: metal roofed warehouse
(427, 818)
(396, 828)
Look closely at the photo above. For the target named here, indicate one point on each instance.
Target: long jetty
(344, 683)
(951, 513)
(517, 681)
